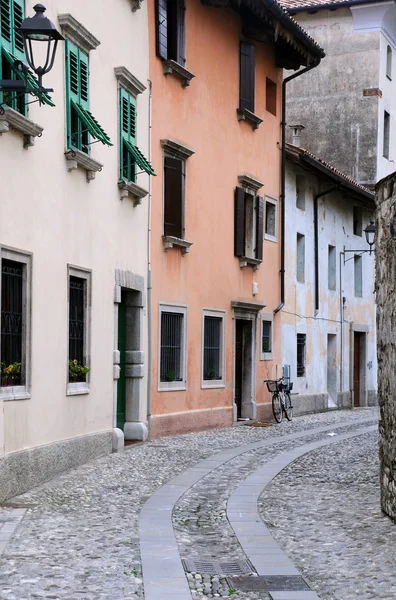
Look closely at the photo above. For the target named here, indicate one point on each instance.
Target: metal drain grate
(274, 583)
(217, 567)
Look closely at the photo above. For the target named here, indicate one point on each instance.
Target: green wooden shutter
(6, 23)
(18, 16)
(127, 135)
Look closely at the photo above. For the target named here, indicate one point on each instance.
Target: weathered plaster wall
(341, 122)
(386, 348)
(335, 218)
(61, 218)
(203, 117)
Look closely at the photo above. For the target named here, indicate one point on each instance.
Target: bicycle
(281, 401)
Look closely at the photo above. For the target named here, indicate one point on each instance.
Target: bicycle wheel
(277, 407)
(288, 406)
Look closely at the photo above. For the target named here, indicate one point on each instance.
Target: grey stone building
(347, 104)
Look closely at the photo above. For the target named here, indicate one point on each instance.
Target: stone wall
(386, 338)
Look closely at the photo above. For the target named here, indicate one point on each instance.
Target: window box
(128, 188)
(246, 115)
(171, 67)
(170, 242)
(76, 158)
(12, 119)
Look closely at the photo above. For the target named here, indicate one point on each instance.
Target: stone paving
(79, 539)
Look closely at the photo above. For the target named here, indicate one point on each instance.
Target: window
(300, 257)
(332, 272)
(79, 329)
(172, 372)
(266, 336)
(386, 134)
(15, 324)
(246, 76)
(213, 365)
(271, 219)
(389, 62)
(358, 275)
(357, 220)
(81, 124)
(301, 352)
(249, 225)
(270, 96)
(300, 192)
(130, 155)
(170, 20)
(12, 49)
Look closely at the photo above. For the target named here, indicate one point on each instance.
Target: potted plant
(10, 374)
(77, 371)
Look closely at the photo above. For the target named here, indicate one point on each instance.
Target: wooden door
(356, 369)
(238, 365)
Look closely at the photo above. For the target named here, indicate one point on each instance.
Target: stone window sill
(128, 188)
(210, 385)
(77, 388)
(76, 158)
(170, 242)
(166, 386)
(244, 261)
(171, 67)
(246, 115)
(14, 392)
(12, 119)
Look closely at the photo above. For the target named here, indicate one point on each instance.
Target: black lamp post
(34, 30)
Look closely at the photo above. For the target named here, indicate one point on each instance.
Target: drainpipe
(149, 284)
(283, 180)
(316, 241)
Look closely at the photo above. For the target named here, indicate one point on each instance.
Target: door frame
(246, 311)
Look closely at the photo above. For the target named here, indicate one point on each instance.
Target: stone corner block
(136, 431)
(118, 440)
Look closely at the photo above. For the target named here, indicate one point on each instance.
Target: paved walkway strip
(255, 538)
(163, 573)
(9, 521)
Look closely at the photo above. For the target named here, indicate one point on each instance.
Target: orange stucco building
(216, 71)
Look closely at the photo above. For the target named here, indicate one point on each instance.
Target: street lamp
(34, 30)
(370, 233)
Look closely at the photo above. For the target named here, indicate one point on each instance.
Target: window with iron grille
(301, 352)
(12, 323)
(131, 157)
(212, 349)
(81, 124)
(170, 30)
(79, 323)
(172, 346)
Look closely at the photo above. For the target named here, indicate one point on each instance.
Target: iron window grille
(301, 351)
(266, 337)
(12, 321)
(171, 346)
(212, 348)
(77, 316)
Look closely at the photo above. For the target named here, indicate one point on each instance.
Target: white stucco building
(74, 237)
(328, 320)
(348, 103)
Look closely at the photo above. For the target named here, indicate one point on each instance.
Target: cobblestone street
(91, 534)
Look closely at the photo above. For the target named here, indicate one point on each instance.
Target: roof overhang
(267, 21)
(312, 6)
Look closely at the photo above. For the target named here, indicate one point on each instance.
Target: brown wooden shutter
(181, 33)
(259, 227)
(246, 76)
(239, 222)
(173, 200)
(161, 22)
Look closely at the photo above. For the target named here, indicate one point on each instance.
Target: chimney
(296, 137)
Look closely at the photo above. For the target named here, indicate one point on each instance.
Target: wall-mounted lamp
(34, 30)
(370, 233)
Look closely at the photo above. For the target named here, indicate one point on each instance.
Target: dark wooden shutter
(161, 22)
(246, 76)
(173, 201)
(259, 227)
(181, 33)
(239, 222)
